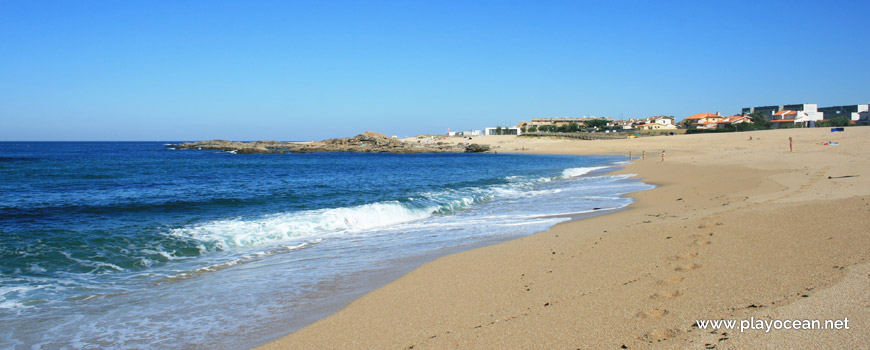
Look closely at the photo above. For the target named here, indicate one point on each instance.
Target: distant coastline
(367, 142)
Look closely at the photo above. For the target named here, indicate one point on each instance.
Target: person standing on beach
(663, 155)
(790, 149)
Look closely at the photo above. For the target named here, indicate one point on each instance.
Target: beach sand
(735, 229)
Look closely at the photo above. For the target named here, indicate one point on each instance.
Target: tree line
(570, 127)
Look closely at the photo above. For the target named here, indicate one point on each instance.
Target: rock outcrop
(475, 148)
(367, 142)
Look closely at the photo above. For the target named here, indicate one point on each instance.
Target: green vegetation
(760, 119)
(838, 121)
(596, 123)
(685, 123)
(570, 127)
(547, 128)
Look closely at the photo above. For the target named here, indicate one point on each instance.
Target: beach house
(657, 122)
(653, 126)
(851, 112)
(624, 124)
(704, 120)
(732, 121)
(805, 115)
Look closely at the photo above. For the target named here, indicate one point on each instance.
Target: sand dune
(735, 229)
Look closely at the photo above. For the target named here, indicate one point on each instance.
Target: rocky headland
(367, 142)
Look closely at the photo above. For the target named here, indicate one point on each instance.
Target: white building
(807, 115)
(663, 120)
(504, 131)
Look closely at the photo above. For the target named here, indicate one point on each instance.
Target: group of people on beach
(643, 155)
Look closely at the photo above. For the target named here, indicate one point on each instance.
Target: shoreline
(370, 280)
(710, 241)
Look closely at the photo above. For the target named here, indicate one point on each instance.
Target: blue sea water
(133, 244)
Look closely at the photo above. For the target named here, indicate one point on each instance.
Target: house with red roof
(807, 117)
(732, 121)
(656, 123)
(704, 120)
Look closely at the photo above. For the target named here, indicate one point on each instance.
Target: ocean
(135, 245)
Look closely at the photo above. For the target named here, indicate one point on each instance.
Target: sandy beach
(736, 229)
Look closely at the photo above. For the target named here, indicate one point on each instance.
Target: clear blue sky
(245, 70)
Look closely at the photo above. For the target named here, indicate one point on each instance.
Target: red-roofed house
(807, 117)
(704, 120)
(734, 119)
(656, 123)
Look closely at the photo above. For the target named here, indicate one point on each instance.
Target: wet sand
(735, 229)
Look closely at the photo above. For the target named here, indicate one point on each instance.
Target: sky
(286, 70)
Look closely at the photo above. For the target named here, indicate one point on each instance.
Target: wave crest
(574, 172)
(236, 233)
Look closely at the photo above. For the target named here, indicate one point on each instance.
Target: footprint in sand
(670, 281)
(666, 294)
(660, 335)
(686, 256)
(709, 222)
(701, 243)
(652, 314)
(688, 267)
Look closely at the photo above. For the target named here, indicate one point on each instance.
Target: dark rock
(476, 148)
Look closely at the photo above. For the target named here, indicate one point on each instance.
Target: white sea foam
(95, 264)
(574, 172)
(11, 297)
(36, 268)
(236, 233)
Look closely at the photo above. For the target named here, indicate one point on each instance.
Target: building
(654, 126)
(770, 110)
(557, 121)
(502, 131)
(467, 133)
(728, 122)
(623, 124)
(662, 120)
(863, 118)
(657, 123)
(805, 114)
(852, 112)
(704, 120)
(810, 108)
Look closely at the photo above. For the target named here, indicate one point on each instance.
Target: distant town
(805, 115)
